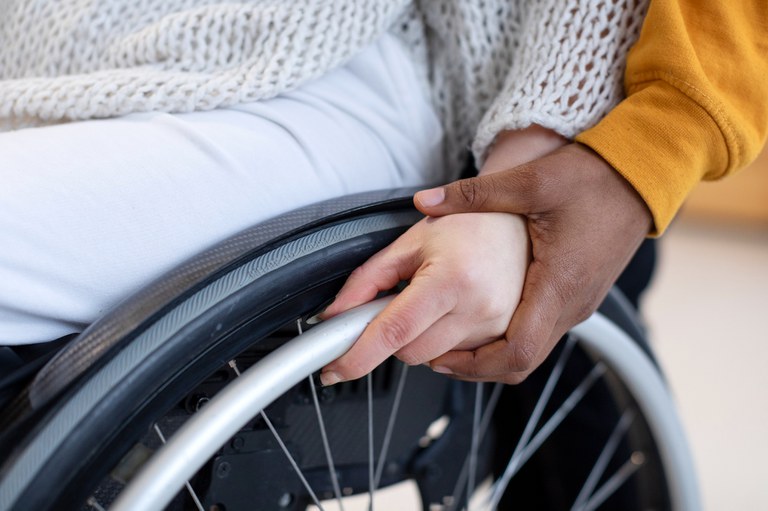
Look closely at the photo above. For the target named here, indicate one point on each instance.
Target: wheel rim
(226, 351)
(177, 462)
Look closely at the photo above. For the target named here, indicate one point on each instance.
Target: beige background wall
(742, 197)
(706, 312)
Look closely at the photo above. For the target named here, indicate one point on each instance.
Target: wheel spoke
(390, 425)
(475, 442)
(324, 435)
(522, 454)
(614, 483)
(191, 491)
(602, 461)
(94, 504)
(486, 421)
(546, 393)
(326, 445)
(284, 448)
(369, 386)
(562, 412)
(291, 460)
(533, 420)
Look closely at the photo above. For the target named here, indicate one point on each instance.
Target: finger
(487, 363)
(525, 190)
(414, 310)
(383, 271)
(451, 359)
(509, 378)
(528, 338)
(448, 333)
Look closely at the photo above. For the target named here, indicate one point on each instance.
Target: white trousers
(92, 211)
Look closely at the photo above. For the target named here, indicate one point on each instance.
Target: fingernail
(313, 320)
(442, 370)
(431, 197)
(329, 378)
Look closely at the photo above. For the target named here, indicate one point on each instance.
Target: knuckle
(394, 334)
(586, 306)
(583, 312)
(471, 288)
(461, 277)
(473, 370)
(471, 191)
(409, 357)
(359, 272)
(521, 355)
(492, 310)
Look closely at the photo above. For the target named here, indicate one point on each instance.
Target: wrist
(516, 147)
(599, 174)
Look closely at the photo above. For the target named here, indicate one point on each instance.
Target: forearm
(696, 104)
(513, 148)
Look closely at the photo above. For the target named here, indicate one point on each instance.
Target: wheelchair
(200, 392)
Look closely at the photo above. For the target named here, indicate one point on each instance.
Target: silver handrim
(199, 439)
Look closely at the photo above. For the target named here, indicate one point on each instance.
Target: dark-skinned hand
(584, 222)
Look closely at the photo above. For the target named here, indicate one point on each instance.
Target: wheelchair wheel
(165, 365)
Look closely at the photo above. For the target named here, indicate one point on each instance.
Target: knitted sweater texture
(490, 65)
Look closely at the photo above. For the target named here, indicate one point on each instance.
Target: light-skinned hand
(466, 274)
(454, 300)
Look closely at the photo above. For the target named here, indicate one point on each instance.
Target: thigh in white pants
(92, 211)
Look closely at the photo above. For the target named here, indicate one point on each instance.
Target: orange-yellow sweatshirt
(697, 100)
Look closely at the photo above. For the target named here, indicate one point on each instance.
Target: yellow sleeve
(697, 100)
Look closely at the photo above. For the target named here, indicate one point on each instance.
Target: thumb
(509, 191)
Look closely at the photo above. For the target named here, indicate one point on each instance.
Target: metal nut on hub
(223, 470)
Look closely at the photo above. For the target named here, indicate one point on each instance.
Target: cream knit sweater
(490, 64)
